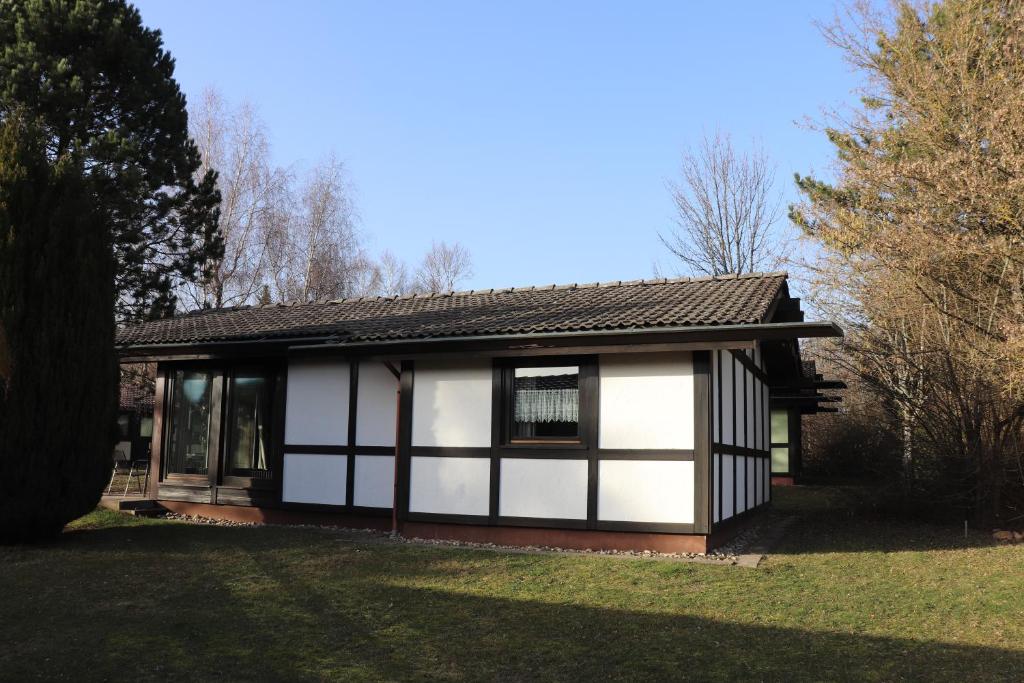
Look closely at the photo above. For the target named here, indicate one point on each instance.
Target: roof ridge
(493, 290)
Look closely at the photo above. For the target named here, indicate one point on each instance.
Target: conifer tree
(58, 371)
(101, 87)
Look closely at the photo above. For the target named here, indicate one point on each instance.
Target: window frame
(273, 379)
(587, 402)
(219, 434)
(213, 429)
(773, 444)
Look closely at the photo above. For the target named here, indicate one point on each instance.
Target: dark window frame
(271, 375)
(219, 435)
(213, 428)
(587, 408)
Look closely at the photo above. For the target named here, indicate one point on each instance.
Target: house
(624, 415)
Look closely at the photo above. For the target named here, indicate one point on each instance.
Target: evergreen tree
(102, 89)
(58, 374)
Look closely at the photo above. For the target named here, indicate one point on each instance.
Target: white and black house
(628, 415)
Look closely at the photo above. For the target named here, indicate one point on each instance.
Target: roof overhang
(625, 339)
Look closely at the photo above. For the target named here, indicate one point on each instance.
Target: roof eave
(681, 334)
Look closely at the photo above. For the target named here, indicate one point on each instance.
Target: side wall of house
(740, 461)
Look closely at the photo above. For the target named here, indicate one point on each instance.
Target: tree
(58, 379)
(102, 89)
(927, 214)
(232, 141)
(315, 250)
(443, 268)
(726, 209)
(392, 276)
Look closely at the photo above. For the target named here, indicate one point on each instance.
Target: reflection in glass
(780, 459)
(780, 426)
(188, 449)
(249, 454)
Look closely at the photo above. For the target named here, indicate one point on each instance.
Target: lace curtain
(547, 405)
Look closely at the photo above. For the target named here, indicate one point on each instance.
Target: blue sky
(540, 135)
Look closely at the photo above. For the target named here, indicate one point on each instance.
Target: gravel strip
(729, 554)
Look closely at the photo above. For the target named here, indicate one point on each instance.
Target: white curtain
(547, 405)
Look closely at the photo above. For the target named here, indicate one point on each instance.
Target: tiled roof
(640, 304)
(136, 398)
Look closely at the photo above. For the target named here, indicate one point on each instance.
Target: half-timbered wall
(740, 432)
(632, 468)
(657, 450)
(339, 442)
(647, 413)
(449, 463)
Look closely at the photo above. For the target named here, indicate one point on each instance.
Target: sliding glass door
(221, 427)
(191, 416)
(248, 457)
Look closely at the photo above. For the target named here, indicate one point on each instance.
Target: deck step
(142, 507)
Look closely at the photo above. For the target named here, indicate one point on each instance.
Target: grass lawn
(842, 599)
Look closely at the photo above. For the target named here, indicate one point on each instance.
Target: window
(220, 426)
(545, 404)
(780, 426)
(249, 425)
(124, 426)
(780, 441)
(146, 427)
(188, 448)
(780, 459)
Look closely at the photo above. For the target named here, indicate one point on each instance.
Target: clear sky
(538, 134)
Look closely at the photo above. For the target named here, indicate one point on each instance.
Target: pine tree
(58, 380)
(102, 89)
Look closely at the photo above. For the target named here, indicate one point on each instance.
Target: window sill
(545, 445)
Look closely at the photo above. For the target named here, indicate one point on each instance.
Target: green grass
(842, 599)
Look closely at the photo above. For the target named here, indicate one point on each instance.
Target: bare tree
(392, 276)
(233, 141)
(726, 205)
(443, 268)
(316, 251)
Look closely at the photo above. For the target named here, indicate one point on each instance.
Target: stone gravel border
(746, 549)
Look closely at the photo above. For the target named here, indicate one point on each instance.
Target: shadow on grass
(840, 519)
(201, 603)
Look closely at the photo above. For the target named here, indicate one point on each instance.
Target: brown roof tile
(642, 304)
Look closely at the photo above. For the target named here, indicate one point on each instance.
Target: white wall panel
(752, 465)
(714, 486)
(317, 479)
(715, 436)
(756, 426)
(645, 491)
(766, 479)
(376, 405)
(739, 376)
(727, 486)
(374, 482)
(741, 483)
(767, 421)
(533, 487)
(728, 436)
(451, 404)
(455, 486)
(749, 379)
(646, 401)
(317, 405)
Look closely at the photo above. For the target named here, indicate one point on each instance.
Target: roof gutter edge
(748, 331)
(740, 332)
